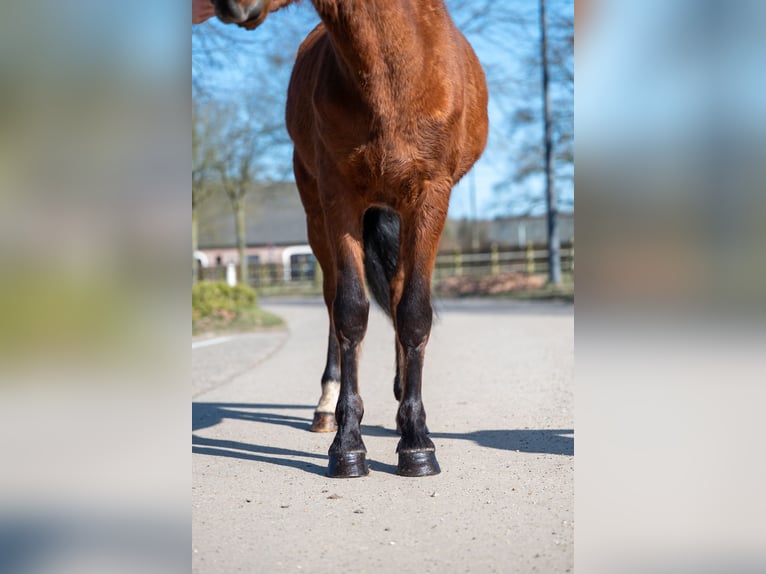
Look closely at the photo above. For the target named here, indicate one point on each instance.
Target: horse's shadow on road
(206, 415)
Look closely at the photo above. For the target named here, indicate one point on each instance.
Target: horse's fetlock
(348, 439)
(349, 409)
(347, 443)
(415, 442)
(411, 416)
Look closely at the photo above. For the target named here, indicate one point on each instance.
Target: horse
(387, 111)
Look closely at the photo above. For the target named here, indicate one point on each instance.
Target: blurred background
(671, 127)
(94, 357)
(94, 262)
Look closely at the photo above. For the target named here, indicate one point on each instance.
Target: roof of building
(273, 215)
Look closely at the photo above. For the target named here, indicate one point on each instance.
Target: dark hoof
(324, 422)
(417, 463)
(347, 465)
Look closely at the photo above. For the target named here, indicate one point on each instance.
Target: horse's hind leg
(324, 414)
(350, 313)
(421, 230)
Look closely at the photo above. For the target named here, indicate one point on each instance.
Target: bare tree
(528, 50)
(263, 58)
(525, 118)
(551, 205)
(239, 137)
(246, 145)
(235, 165)
(203, 165)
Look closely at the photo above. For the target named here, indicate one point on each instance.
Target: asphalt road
(498, 390)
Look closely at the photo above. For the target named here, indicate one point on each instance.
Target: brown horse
(387, 108)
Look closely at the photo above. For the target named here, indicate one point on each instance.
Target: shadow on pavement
(205, 415)
(541, 441)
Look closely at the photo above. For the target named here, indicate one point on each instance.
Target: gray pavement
(498, 390)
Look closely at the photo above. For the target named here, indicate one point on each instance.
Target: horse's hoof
(324, 422)
(417, 463)
(347, 465)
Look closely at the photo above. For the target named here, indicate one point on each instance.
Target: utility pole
(474, 213)
(554, 248)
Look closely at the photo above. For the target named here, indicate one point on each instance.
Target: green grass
(563, 292)
(507, 285)
(548, 292)
(219, 308)
(248, 321)
(297, 290)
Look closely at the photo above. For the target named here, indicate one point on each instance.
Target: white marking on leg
(330, 392)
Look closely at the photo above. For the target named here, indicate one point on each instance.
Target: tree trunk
(554, 247)
(474, 214)
(194, 245)
(241, 241)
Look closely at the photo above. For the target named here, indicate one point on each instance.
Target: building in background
(276, 232)
(503, 233)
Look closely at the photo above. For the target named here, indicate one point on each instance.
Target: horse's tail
(381, 253)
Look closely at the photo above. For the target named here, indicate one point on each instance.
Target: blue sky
(238, 70)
